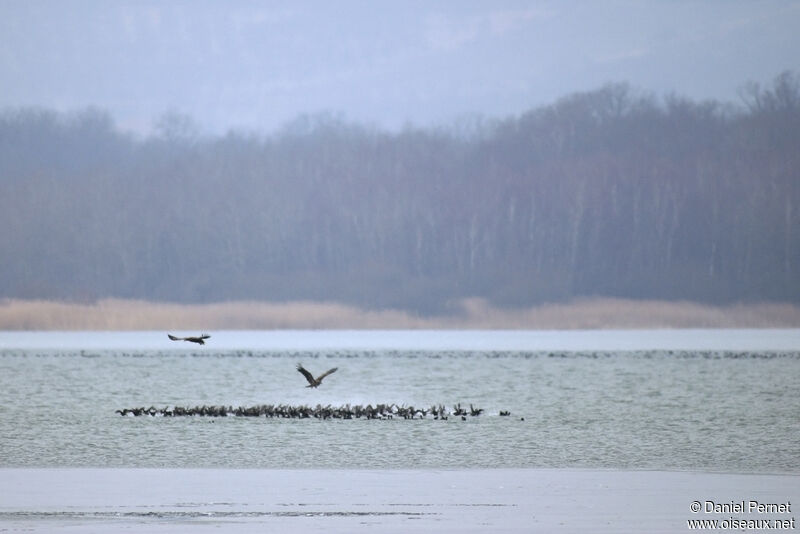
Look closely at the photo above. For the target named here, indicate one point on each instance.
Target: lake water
(610, 431)
(719, 400)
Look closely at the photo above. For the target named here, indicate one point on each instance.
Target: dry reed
(118, 314)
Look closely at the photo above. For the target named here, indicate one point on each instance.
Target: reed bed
(590, 313)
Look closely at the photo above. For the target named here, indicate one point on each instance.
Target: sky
(257, 65)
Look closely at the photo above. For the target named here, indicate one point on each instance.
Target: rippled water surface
(656, 406)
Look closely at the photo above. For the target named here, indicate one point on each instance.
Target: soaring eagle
(314, 382)
(200, 340)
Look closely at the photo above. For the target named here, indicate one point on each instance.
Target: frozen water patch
(442, 501)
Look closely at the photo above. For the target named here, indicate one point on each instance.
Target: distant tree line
(605, 193)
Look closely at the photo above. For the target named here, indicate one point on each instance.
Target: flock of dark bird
(379, 411)
(283, 411)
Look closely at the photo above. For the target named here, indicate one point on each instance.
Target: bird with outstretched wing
(314, 382)
(200, 340)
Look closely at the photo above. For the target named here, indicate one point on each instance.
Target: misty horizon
(250, 67)
(400, 156)
(172, 123)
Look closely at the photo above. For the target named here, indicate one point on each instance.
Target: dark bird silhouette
(314, 382)
(200, 340)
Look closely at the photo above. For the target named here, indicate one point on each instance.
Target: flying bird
(200, 340)
(314, 382)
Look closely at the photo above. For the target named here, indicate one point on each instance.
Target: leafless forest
(609, 193)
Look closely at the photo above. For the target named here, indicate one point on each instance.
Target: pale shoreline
(589, 313)
(756, 340)
(359, 500)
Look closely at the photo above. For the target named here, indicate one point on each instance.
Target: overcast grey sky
(256, 65)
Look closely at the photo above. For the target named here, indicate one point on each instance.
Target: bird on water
(200, 340)
(314, 382)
